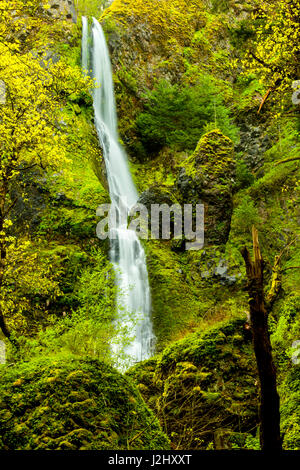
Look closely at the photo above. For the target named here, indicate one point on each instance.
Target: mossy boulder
(206, 177)
(70, 404)
(214, 153)
(204, 386)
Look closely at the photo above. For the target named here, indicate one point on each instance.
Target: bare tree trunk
(269, 398)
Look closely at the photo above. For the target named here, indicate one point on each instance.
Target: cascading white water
(127, 253)
(85, 45)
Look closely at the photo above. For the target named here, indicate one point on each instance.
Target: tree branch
(287, 160)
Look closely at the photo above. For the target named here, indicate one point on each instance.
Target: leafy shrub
(176, 116)
(240, 33)
(244, 177)
(286, 329)
(90, 7)
(244, 216)
(220, 5)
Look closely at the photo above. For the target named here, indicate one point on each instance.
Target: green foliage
(30, 138)
(283, 177)
(176, 115)
(220, 5)
(58, 294)
(91, 294)
(244, 216)
(91, 7)
(213, 156)
(285, 134)
(243, 177)
(290, 410)
(157, 171)
(247, 93)
(252, 443)
(173, 301)
(240, 33)
(202, 348)
(66, 403)
(203, 385)
(29, 284)
(173, 20)
(87, 323)
(273, 55)
(285, 328)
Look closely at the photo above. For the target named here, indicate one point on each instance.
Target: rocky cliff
(62, 9)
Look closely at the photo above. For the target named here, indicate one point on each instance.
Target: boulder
(207, 178)
(204, 387)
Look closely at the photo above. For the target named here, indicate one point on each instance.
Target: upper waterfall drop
(127, 253)
(85, 44)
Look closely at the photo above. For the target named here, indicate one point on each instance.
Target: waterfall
(126, 253)
(85, 44)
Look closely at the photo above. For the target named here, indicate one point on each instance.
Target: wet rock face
(136, 47)
(30, 196)
(207, 178)
(219, 273)
(63, 9)
(253, 143)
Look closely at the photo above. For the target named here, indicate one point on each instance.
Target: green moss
(274, 178)
(175, 304)
(213, 156)
(203, 384)
(200, 349)
(290, 409)
(84, 405)
(182, 297)
(176, 116)
(169, 57)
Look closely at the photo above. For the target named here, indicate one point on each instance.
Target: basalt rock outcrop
(207, 178)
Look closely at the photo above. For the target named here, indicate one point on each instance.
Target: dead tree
(269, 398)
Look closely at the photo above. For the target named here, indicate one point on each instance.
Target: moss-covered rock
(204, 386)
(69, 404)
(207, 178)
